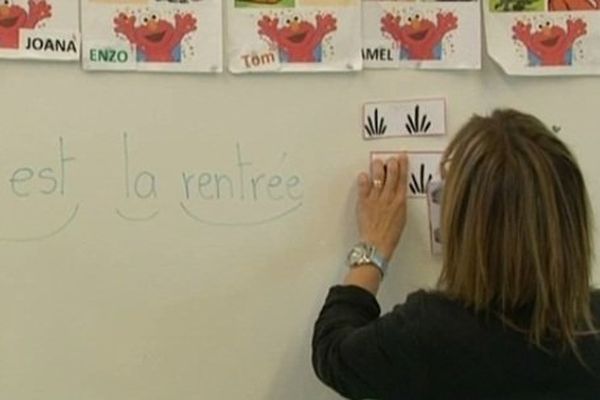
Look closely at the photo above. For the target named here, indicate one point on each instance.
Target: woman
(513, 315)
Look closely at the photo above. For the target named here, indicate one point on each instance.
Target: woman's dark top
(435, 348)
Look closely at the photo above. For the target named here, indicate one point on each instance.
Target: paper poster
(294, 35)
(424, 168)
(434, 206)
(422, 34)
(544, 37)
(152, 35)
(39, 29)
(406, 118)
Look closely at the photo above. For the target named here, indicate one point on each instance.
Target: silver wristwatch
(364, 253)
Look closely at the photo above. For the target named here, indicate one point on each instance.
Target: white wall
(172, 308)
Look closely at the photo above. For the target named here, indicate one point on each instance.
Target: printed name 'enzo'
(109, 55)
(51, 45)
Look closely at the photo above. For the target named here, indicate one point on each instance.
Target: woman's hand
(381, 208)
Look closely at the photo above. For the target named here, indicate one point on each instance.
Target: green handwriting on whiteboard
(240, 192)
(259, 195)
(243, 185)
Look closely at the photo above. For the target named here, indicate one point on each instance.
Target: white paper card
(294, 35)
(424, 168)
(544, 39)
(408, 34)
(152, 35)
(411, 118)
(39, 29)
(434, 204)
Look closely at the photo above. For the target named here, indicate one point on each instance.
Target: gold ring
(378, 183)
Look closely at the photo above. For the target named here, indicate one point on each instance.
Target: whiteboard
(216, 302)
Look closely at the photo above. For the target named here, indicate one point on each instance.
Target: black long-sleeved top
(435, 348)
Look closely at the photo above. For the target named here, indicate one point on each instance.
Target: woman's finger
(391, 177)
(377, 176)
(402, 175)
(364, 185)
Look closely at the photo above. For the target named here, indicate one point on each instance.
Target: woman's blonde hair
(516, 227)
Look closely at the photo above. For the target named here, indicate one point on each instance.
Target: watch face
(357, 255)
(364, 253)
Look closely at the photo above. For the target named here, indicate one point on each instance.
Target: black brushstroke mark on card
(418, 184)
(418, 123)
(375, 125)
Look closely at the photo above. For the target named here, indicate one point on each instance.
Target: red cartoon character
(13, 18)
(298, 40)
(419, 38)
(157, 40)
(550, 44)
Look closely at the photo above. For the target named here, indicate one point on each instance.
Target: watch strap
(379, 261)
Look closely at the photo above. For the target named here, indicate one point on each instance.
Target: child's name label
(254, 60)
(379, 55)
(109, 55)
(61, 45)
